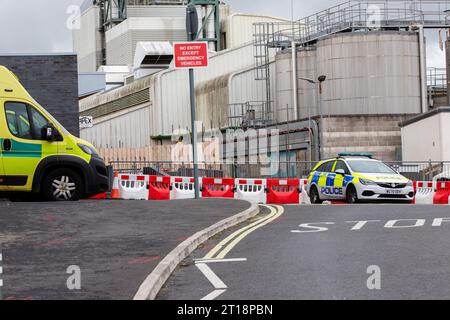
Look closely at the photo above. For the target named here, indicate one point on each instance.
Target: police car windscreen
(364, 166)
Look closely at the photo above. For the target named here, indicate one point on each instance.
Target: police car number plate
(388, 191)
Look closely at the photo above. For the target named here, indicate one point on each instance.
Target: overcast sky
(39, 26)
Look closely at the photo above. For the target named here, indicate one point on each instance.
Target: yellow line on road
(227, 244)
(222, 243)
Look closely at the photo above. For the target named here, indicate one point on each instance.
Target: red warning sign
(191, 55)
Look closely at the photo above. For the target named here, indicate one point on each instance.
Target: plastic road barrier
(159, 188)
(218, 188)
(252, 190)
(304, 198)
(424, 192)
(283, 191)
(182, 188)
(133, 187)
(442, 193)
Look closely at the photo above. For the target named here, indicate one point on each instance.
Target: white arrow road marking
(211, 276)
(218, 284)
(213, 294)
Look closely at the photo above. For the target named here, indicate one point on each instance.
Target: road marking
(211, 276)
(225, 241)
(213, 295)
(229, 247)
(219, 260)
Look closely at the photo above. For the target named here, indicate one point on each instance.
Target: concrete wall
(379, 135)
(52, 80)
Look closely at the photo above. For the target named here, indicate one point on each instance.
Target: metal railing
(414, 170)
(252, 114)
(436, 78)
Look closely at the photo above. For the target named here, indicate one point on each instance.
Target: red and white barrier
(133, 187)
(442, 195)
(183, 188)
(218, 188)
(424, 192)
(270, 191)
(283, 191)
(159, 188)
(252, 190)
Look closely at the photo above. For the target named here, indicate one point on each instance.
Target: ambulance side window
(343, 166)
(17, 119)
(24, 121)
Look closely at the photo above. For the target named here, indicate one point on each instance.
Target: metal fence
(414, 170)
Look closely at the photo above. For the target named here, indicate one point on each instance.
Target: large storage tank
(367, 73)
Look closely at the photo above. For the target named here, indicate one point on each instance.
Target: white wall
(427, 139)
(87, 40)
(239, 27)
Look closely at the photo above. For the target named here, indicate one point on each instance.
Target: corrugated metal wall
(171, 90)
(238, 28)
(158, 11)
(128, 128)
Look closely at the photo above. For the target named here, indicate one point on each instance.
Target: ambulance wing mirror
(340, 171)
(49, 133)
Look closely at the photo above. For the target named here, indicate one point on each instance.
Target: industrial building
(264, 73)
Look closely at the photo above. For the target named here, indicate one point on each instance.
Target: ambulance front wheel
(62, 185)
(352, 195)
(314, 196)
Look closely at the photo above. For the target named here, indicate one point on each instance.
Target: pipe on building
(294, 80)
(210, 26)
(423, 70)
(315, 133)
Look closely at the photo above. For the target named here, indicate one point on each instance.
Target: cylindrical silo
(370, 73)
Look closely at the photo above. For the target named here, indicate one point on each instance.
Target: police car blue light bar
(353, 154)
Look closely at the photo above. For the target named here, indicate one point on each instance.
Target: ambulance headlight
(88, 150)
(367, 182)
(409, 184)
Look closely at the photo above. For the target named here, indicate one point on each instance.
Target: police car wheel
(63, 185)
(352, 196)
(314, 196)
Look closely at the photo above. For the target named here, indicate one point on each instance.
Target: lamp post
(319, 82)
(321, 79)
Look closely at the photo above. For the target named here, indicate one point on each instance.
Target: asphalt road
(406, 259)
(115, 244)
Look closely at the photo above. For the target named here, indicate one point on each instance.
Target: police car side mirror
(340, 171)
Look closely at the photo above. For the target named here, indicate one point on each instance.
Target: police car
(357, 177)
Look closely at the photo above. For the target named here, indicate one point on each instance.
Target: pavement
(113, 245)
(326, 252)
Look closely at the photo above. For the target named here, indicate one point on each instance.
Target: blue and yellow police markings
(331, 184)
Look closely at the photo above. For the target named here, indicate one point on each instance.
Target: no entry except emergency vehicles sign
(191, 55)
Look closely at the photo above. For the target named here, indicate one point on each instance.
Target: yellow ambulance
(38, 155)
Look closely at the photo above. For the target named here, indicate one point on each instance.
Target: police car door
(340, 179)
(326, 181)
